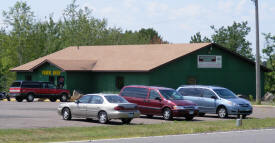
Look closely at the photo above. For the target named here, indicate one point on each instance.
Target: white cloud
(225, 6)
(156, 8)
(240, 6)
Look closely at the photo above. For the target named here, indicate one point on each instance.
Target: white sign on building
(209, 61)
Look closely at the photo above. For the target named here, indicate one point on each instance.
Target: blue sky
(175, 20)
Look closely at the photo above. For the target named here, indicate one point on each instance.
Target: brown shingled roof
(114, 58)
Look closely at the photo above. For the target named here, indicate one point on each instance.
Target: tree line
(25, 38)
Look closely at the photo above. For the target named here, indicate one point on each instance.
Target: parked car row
(186, 101)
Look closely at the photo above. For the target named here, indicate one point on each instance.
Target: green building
(91, 69)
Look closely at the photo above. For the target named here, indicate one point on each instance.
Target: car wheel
(201, 114)
(53, 99)
(167, 114)
(126, 120)
(244, 116)
(64, 98)
(66, 114)
(19, 99)
(103, 117)
(222, 112)
(30, 97)
(189, 118)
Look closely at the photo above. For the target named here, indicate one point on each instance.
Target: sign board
(209, 61)
(48, 72)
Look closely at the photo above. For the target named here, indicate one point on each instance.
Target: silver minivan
(216, 100)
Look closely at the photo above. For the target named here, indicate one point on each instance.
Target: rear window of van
(16, 84)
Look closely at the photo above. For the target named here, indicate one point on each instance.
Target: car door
(154, 102)
(95, 105)
(209, 103)
(79, 109)
(43, 92)
(52, 91)
(191, 94)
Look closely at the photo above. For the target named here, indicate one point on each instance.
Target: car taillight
(15, 89)
(119, 108)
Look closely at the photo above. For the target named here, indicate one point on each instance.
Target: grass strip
(122, 131)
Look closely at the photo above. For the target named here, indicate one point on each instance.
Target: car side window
(135, 92)
(153, 94)
(207, 93)
(51, 86)
(84, 99)
(190, 92)
(96, 100)
(44, 85)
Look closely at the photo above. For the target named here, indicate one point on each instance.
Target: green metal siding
(235, 74)
(93, 82)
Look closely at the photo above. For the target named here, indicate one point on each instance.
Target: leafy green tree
(232, 37)
(21, 19)
(197, 38)
(269, 52)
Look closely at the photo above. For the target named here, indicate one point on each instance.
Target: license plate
(131, 115)
(191, 112)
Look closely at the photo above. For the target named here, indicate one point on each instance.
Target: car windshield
(115, 99)
(225, 93)
(16, 84)
(170, 94)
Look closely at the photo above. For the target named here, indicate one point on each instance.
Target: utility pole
(258, 78)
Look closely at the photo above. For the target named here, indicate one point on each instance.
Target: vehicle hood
(239, 101)
(183, 102)
(67, 104)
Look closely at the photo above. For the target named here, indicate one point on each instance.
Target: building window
(119, 82)
(28, 78)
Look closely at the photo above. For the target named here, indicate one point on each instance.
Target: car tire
(30, 97)
(19, 99)
(66, 114)
(53, 99)
(103, 117)
(64, 97)
(201, 114)
(126, 120)
(222, 112)
(189, 118)
(244, 116)
(167, 114)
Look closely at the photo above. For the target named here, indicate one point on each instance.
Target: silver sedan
(103, 107)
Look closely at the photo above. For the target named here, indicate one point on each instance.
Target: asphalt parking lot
(44, 115)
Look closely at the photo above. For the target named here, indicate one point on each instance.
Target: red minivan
(29, 90)
(163, 101)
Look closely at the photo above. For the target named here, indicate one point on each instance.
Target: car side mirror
(77, 101)
(158, 98)
(214, 97)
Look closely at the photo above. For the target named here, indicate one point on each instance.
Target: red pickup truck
(29, 90)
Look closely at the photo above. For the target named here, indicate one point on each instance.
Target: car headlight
(232, 103)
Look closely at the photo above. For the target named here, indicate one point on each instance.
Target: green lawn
(119, 131)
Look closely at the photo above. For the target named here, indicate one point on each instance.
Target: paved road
(44, 114)
(248, 136)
